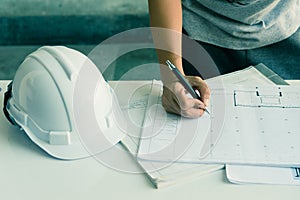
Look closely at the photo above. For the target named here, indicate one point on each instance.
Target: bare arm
(168, 14)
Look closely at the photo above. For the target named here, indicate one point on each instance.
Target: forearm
(167, 14)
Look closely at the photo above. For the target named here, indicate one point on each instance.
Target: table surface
(26, 172)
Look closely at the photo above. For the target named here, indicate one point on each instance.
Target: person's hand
(176, 100)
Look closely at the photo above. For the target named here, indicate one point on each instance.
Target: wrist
(167, 76)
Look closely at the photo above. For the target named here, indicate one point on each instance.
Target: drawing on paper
(261, 97)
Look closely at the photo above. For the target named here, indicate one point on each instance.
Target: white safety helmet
(41, 101)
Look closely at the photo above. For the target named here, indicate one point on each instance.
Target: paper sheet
(262, 175)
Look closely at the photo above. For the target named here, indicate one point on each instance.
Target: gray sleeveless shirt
(243, 24)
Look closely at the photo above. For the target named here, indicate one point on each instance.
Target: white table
(26, 172)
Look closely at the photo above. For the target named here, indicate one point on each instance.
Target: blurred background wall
(29, 22)
(25, 25)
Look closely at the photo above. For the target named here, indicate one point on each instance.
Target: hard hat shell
(42, 105)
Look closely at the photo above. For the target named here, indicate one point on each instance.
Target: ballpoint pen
(185, 83)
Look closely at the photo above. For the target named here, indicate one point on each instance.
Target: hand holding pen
(194, 93)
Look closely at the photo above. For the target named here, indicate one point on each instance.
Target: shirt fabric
(246, 24)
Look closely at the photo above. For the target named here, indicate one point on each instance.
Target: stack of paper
(171, 173)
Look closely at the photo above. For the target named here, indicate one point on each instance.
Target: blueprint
(248, 124)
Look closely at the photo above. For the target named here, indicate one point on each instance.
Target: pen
(185, 83)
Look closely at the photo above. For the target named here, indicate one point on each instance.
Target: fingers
(176, 101)
(187, 103)
(202, 88)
